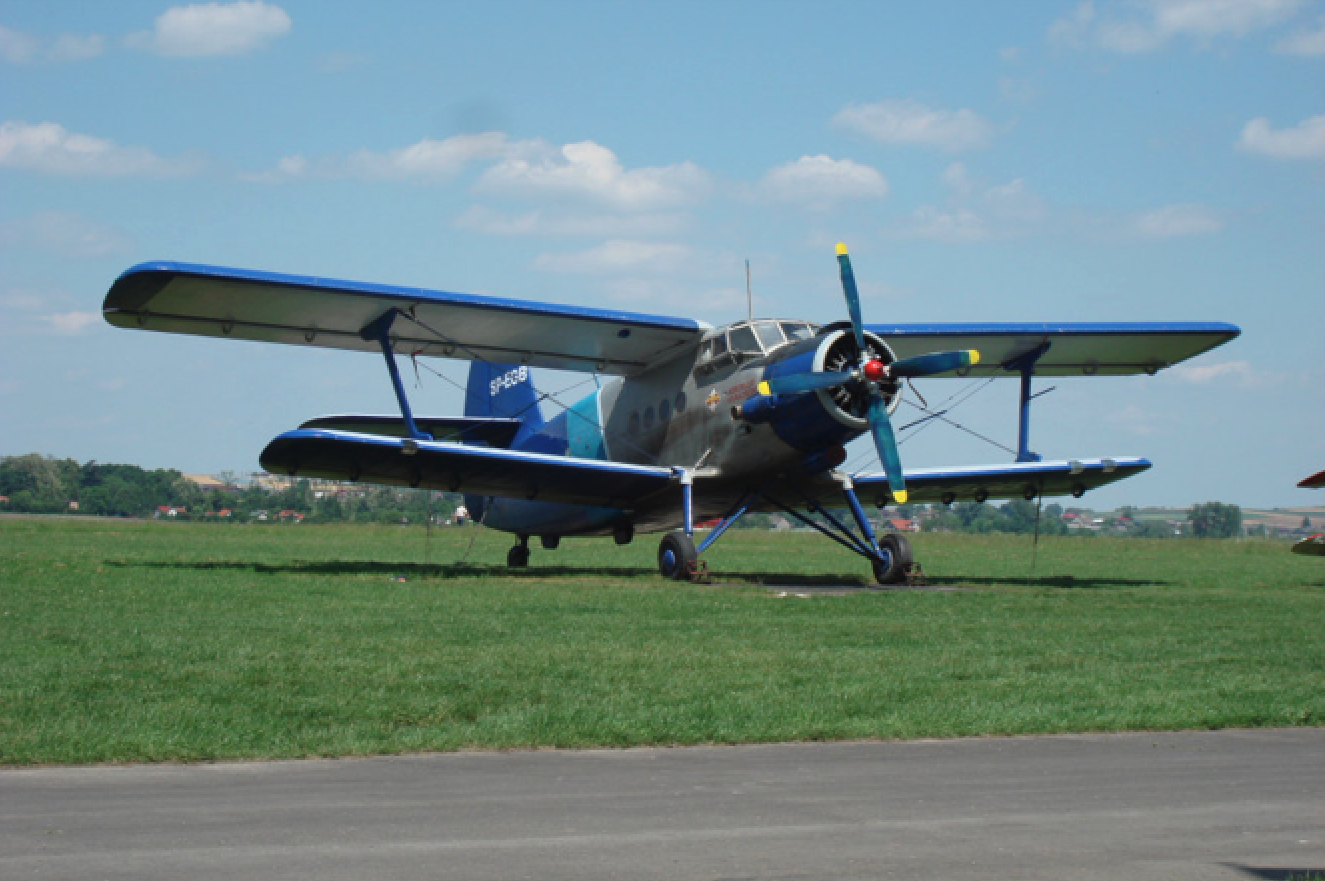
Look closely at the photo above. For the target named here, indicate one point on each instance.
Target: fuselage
(702, 412)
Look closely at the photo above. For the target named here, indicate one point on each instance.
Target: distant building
(169, 511)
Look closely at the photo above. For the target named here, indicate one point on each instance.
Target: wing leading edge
(305, 311)
(1104, 349)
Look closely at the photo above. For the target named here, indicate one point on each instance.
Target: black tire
(896, 558)
(676, 556)
(517, 557)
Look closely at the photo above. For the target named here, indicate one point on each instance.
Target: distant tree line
(42, 484)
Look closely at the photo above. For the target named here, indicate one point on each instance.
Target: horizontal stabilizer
(1012, 481)
(1102, 349)
(273, 308)
(489, 432)
(438, 465)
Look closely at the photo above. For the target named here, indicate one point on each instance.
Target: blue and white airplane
(699, 423)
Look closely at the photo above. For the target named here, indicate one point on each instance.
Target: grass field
(140, 641)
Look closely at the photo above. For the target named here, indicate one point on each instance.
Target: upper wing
(343, 455)
(268, 307)
(1116, 349)
(1012, 481)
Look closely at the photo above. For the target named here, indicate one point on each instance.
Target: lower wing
(1012, 481)
(441, 465)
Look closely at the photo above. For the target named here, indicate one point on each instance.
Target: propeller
(871, 374)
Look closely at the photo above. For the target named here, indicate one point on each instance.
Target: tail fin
(502, 391)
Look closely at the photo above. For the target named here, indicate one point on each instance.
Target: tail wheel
(517, 557)
(896, 552)
(676, 556)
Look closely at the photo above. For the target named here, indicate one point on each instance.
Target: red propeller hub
(874, 370)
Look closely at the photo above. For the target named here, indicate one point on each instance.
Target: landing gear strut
(676, 556)
(518, 556)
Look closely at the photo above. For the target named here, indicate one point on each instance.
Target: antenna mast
(749, 300)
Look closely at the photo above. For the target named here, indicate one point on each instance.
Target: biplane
(692, 423)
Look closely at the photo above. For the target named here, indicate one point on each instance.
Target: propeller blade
(886, 444)
(936, 362)
(802, 382)
(852, 295)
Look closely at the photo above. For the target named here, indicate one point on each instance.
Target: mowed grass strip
(131, 641)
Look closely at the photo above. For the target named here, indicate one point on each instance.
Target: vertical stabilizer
(502, 391)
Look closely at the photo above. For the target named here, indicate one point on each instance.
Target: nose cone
(874, 370)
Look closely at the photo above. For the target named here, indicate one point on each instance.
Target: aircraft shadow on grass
(486, 570)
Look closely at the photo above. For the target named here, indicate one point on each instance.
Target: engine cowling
(849, 402)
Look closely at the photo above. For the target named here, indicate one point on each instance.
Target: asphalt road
(1207, 805)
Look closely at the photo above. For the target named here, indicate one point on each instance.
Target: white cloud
(819, 181)
(910, 123)
(1002, 211)
(69, 47)
(67, 235)
(619, 257)
(1304, 42)
(588, 171)
(1162, 21)
(434, 159)
(1174, 221)
(20, 48)
(1239, 374)
(209, 30)
(957, 181)
(70, 323)
(1014, 202)
(428, 160)
(481, 219)
(17, 48)
(1210, 372)
(957, 225)
(1072, 30)
(48, 148)
(1305, 141)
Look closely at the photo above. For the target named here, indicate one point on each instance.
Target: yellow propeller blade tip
(900, 497)
(975, 357)
(763, 389)
(841, 249)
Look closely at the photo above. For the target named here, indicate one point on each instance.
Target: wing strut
(1025, 364)
(380, 329)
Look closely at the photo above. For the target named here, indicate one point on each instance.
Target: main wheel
(896, 557)
(676, 556)
(517, 557)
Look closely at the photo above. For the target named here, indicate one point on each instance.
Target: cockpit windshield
(752, 339)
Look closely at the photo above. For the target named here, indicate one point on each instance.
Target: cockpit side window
(797, 331)
(742, 339)
(769, 334)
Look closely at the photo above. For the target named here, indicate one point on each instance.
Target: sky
(1149, 160)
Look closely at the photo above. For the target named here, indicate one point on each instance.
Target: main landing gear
(677, 556)
(889, 554)
(894, 559)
